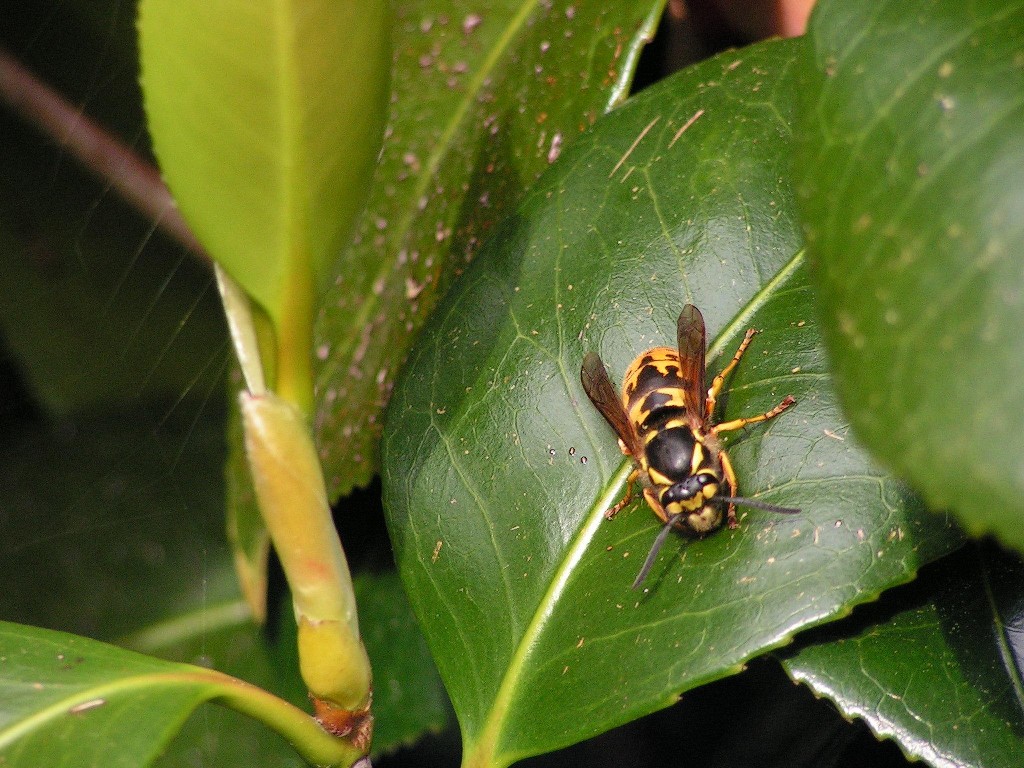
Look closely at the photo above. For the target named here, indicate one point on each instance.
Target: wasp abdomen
(655, 391)
(656, 371)
(662, 418)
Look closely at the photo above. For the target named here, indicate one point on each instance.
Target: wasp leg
(719, 380)
(728, 426)
(730, 480)
(655, 505)
(610, 513)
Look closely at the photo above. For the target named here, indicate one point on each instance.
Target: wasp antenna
(758, 505)
(655, 548)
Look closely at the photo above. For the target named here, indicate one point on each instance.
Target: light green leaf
(266, 118)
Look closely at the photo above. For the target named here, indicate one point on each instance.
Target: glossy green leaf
(67, 698)
(498, 470)
(912, 142)
(59, 691)
(408, 697)
(935, 666)
(484, 99)
(222, 635)
(266, 118)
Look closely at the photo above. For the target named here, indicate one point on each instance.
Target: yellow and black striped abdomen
(654, 392)
(683, 472)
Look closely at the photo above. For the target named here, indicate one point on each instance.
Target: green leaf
(936, 665)
(408, 697)
(222, 635)
(114, 523)
(483, 101)
(498, 470)
(63, 693)
(912, 140)
(60, 690)
(266, 119)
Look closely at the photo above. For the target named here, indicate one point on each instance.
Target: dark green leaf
(109, 525)
(497, 469)
(913, 141)
(223, 636)
(95, 307)
(483, 101)
(936, 665)
(408, 698)
(68, 700)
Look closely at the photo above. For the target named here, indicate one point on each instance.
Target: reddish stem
(96, 148)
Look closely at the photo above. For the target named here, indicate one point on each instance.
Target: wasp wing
(692, 339)
(602, 394)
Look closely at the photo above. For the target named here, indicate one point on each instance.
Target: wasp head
(694, 495)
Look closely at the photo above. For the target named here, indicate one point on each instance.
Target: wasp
(664, 423)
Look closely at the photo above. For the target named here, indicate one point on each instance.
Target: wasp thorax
(670, 453)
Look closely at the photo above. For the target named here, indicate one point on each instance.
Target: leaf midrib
(483, 751)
